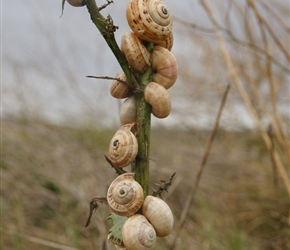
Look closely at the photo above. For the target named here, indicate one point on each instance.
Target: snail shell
(159, 215)
(150, 20)
(135, 52)
(138, 233)
(120, 89)
(158, 97)
(125, 195)
(123, 147)
(167, 43)
(128, 110)
(77, 3)
(164, 66)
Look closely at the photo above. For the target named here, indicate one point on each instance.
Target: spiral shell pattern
(125, 195)
(135, 52)
(120, 89)
(123, 147)
(150, 20)
(138, 233)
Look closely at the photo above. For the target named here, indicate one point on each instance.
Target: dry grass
(49, 174)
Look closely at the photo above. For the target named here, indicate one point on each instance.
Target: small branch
(118, 170)
(107, 29)
(105, 5)
(107, 78)
(94, 206)
(163, 187)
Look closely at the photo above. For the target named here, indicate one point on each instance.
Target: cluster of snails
(148, 217)
(150, 21)
(125, 197)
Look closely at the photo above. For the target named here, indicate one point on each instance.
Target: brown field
(49, 175)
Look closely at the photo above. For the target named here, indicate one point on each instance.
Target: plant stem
(106, 28)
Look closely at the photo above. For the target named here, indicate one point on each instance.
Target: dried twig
(118, 170)
(200, 171)
(236, 79)
(108, 78)
(94, 206)
(163, 187)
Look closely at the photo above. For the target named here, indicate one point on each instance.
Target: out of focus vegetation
(49, 173)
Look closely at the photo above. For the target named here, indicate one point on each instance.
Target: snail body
(120, 89)
(135, 52)
(158, 97)
(125, 195)
(128, 110)
(164, 66)
(159, 215)
(123, 147)
(138, 233)
(150, 20)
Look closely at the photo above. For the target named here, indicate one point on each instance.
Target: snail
(158, 97)
(77, 3)
(159, 215)
(128, 110)
(164, 66)
(167, 43)
(119, 89)
(135, 52)
(138, 233)
(150, 20)
(123, 147)
(125, 195)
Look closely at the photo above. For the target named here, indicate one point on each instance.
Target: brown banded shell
(125, 195)
(167, 43)
(119, 89)
(158, 97)
(123, 147)
(164, 66)
(138, 233)
(159, 215)
(128, 110)
(150, 20)
(135, 52)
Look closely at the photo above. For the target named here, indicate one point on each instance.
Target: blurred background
(57, 123)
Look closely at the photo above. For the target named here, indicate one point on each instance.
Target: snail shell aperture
(125, 195)
(123, 147)
(159, 215)
(138, 233)
(150, 20)
(164, 66)
(158, 97)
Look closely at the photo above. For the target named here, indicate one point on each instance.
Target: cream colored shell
(167, 43)
(123, 147)
(128, 110)
(164, 66)
(138, 233)
(120, 89)
(158, 97)
(77, 3)
(135, 52)
(150, 20)
(159, 215)
(125, 195)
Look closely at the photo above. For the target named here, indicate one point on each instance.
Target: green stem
(141, 167)
(107, 30)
